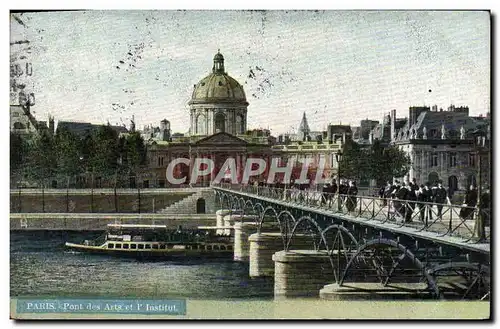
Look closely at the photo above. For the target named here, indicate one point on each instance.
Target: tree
(16, 152)
(355, 162)
(374, 162)
(41, 159)
(103, 151)
(68, 151)
(387, 162)
(132, 155)
(135, 151)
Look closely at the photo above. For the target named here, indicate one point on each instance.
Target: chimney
(393, 125)
(412, 116)
(329, 134)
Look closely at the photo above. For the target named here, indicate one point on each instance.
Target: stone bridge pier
(301, 273)
(244, 226)
(220, 217)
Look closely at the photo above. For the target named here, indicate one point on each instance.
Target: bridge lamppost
(338, 157)
(480, 144)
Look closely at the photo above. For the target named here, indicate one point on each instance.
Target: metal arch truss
(382, 272)
(386, 255)
(341, 248)
(475, 277)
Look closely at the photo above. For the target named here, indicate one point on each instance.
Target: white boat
(153, 241)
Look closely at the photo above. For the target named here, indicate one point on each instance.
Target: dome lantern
(218, 67)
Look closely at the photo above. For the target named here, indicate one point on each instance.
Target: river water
(40, 266)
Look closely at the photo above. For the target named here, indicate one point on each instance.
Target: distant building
(362, 134)
(82, 129)
(304, 133)
(159, 133)
(441, 146)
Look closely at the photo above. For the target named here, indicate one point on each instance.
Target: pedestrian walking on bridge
(440, 197)
(352, 191)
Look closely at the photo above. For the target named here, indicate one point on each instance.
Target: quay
(98, 222)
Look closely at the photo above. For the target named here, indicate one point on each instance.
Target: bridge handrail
(445, 219)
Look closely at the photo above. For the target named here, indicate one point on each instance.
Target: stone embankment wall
(97, 201)
(98, 222)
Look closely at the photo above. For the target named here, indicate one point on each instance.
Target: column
(206, 123)
(243, 164)
(442, 167)
(238, 167)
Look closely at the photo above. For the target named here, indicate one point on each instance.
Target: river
(41, 267)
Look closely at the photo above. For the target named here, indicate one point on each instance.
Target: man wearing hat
(440, 197)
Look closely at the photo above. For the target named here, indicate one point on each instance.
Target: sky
(337, 66)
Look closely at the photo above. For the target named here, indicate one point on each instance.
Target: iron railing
(444, 219)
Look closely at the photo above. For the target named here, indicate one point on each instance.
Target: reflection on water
(39, 266)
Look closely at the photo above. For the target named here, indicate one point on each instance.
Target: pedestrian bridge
(396, 240)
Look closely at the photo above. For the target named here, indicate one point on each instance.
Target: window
(229, 247)
(434, 160)
(140, 246)
(15, 114)
(452, 160)
(240, 126)
(155, 246)
(472, 160)
(125, 246)
(19, 125)
(200, 125)
(118, 246)
(133, 246)
(111, 245)
(220, 122)
(209, 247)
(147, 246)
(452, 184)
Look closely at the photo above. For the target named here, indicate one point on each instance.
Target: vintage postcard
(243, 164)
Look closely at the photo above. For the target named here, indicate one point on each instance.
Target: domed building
(218, 130)
(218, 103)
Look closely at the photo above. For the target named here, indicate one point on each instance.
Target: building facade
(218, 130)
(442, 146)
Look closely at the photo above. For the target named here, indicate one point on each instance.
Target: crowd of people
(408, 200)
(406, 196)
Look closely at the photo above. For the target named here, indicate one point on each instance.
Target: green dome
(218, 86)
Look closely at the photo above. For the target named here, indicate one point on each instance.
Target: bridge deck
(414, 230)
